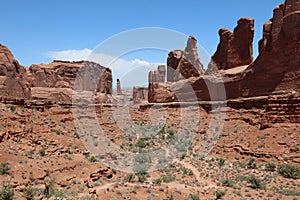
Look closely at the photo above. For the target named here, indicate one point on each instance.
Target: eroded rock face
(235, 48)
(13, 77)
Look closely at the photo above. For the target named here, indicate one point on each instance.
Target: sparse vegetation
(289, 171)
(220, 194)
(29, 193)
(271, 167)
(4, 168)
(252, 163)
(6, 192)
(255, 182)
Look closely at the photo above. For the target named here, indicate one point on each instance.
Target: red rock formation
(191, 54)
(13, 78)
(179, 67)
(184, 64)
(56, 81)
(140, 94)
(277, 68)
(119, 91)
(235, 49)
(158, 75)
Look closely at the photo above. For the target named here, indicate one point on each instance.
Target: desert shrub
(4, 168)
(130, 178)
(256, 183)
(220, 194)
(271, 167)
(251, 164)
(221, 162)
(157, 181)
(168, 179)
(289, 171)
(6, 192)
(227, 182)
(194, 197)
(29, 193)
(93, 159)
(42, 152)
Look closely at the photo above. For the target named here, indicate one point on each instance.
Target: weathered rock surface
(13, 77)
(235, 49)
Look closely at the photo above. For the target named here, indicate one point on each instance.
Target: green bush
(130, 178)
(168, 179)
(271, 167)
(29, 193)
(6, 192)
(220, 194)
(227, 182)
(289, 171)
(251, 164)
(255, 182)
(194, 197)
(42, 152)
(4, 168)
(221, 162)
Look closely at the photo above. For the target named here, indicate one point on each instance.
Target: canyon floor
(42, 155)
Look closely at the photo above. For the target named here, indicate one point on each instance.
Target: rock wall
(13, 77)
(235, 48)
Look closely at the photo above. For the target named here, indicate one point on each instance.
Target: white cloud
(140, 62)
(70, 55)
(131, 73)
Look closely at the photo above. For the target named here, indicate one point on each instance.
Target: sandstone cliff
(13, 77)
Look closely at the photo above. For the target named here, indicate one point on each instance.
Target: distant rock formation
(235, 49)
(119, 90)
(13, 77)
(54, 81)
(184, 64)
(158, 75)
(140, 94)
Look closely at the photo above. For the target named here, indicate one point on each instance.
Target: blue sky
(34, 28)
